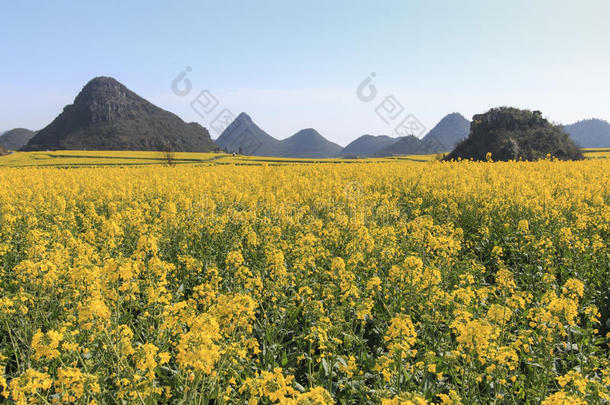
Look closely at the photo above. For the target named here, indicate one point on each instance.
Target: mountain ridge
(367, 145)
(244, 136)
(451, 129)
(106, 115)
(590, 133)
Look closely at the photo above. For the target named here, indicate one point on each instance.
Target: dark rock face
(106, 115)
(16, 138)
(513, 134)
(591, 133)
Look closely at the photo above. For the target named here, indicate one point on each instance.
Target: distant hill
(367, 145)
(16, 138)
(512, 134)
(442, 138)
(106, 115)
(445, 135)
(592, 133)
(308, 143)
(405, 145)
(244, 136)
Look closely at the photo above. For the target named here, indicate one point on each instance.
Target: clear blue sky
(292, 65)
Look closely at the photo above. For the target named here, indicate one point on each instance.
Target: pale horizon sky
(294, 65)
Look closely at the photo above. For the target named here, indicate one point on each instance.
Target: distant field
(138, 158)
(597, 153)
(99, 158)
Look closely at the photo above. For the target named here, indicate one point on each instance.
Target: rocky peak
(105, 99)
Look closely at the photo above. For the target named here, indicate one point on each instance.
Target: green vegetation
(511, 134)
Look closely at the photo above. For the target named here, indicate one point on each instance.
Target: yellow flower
(72, 384)
(45, 345)
(507, 357)
(198, 348)
(401, 335)
(164, 358)
(452, 398)
(574, 286)
(145, 360)
(499, 314)
(94, 310)
(562, 398)
(405, 399)
(574, 378)
(315, 396)
(475, 337)
(273, 386)
(28, 385)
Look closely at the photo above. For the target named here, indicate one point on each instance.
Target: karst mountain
(106, 115)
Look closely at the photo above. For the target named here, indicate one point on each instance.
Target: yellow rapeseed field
(597, 153)
(82, 158)
(395, 283)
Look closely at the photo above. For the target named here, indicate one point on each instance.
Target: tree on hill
(511, 134)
